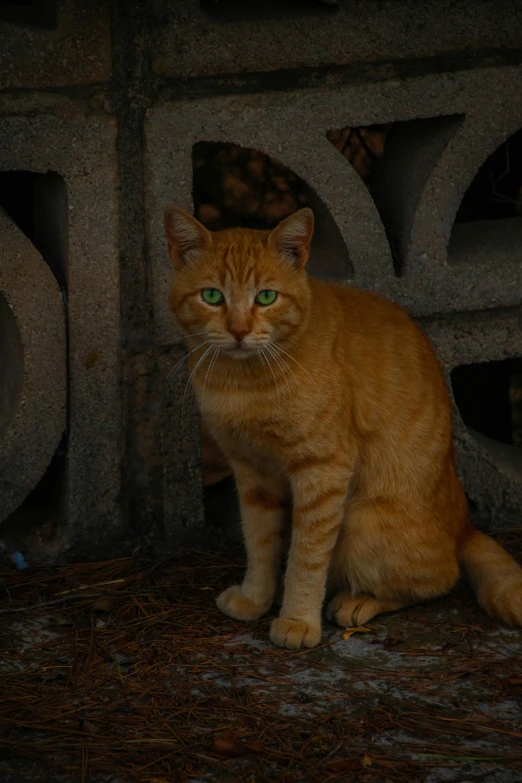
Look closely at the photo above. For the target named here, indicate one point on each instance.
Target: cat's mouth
(241, 351)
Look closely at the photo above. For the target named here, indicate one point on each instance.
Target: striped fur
(331, 408)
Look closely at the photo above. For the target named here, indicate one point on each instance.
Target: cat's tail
(495, 575)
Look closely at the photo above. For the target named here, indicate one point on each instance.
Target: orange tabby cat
(330, 405)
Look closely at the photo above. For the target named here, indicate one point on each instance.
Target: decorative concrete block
(77, 50)
(190, 42)
(446, 127)
(32, 366)
(82, 152)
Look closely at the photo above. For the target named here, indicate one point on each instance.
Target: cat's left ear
(186, 236)
(293, 235)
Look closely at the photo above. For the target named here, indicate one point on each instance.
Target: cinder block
(491, 471)
(32, 366)
(82, 152)
(191, 43)
(77, 50)
(446, 128)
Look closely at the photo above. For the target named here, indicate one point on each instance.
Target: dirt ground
(125, 671)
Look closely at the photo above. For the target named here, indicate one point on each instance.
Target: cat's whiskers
(278, 347)
(209, 370)
(172, 372)
(162, 348)
(201, 358)
(283, 363)
(265, 358)
(283, 366)
(178, 363)
(183, 337)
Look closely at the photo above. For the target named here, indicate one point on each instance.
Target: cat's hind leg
(389, 557)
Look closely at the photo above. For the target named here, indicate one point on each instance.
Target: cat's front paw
(235, 603)
(294, 634)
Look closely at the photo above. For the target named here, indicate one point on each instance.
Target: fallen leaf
(356, 629)
(515, 679)
(227, 744)
(366, 762)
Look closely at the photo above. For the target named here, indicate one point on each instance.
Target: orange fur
(332, 410)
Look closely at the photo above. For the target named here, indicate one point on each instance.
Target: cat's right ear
(293, 235)
(186, 236)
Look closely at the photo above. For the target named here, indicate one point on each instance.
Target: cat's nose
(239, 333)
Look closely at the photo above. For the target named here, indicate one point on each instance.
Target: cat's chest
(251, 421)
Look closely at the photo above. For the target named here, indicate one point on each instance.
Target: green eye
(266, 297)
(212, 296)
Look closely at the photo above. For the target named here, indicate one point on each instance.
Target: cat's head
(239, 289)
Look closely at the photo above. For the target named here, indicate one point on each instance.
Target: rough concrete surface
(190, 42)
(179, 434)
(32, 366)
(77, 51)
(82, 152)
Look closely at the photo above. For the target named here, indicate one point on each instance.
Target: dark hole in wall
(361, 146)
(229, 10)
(37, 203)
(364, 148)
(489, 398)
(29, 13)
(492, 208)
(238, 187)
(496, 191)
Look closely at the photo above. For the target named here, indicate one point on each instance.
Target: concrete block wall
(103, 104)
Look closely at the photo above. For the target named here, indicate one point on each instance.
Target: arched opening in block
(37, 204)
(362, 146)
(235, 186)
(488, 224)
(489, 398)
(395, 161)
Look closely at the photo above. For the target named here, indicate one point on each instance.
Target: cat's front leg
(319, 494)
(264, 517)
